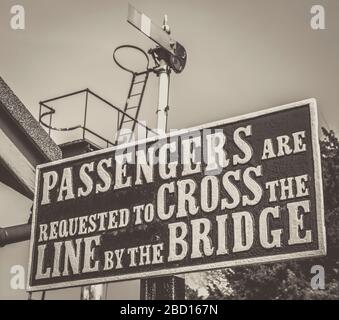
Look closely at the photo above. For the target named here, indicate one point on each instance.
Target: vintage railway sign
(234, 192)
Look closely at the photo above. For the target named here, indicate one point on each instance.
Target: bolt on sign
(234, 192)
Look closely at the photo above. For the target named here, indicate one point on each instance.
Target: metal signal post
(163, 73)
(170, 55)
(170, 287)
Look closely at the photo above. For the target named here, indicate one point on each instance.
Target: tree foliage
(292, 280)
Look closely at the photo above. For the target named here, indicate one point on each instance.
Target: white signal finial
(165, 25)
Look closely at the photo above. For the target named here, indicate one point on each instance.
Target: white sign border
(312, 103)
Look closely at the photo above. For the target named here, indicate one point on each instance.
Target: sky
(243, 56)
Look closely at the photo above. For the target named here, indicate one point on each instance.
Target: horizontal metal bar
(15, 234)
(139, 82)
(65, 96)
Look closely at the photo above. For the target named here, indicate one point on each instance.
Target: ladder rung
(143, 81)
(132, 107)
(126, 121)
(125, 134)
(135, 94)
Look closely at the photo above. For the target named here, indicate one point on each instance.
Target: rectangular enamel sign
(234, 192)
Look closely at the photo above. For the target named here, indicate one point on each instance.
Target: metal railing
(46, 113)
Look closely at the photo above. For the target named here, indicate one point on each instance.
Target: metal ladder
(129, 119)
(132, 106)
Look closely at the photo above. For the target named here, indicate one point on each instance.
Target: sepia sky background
(243, 56)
